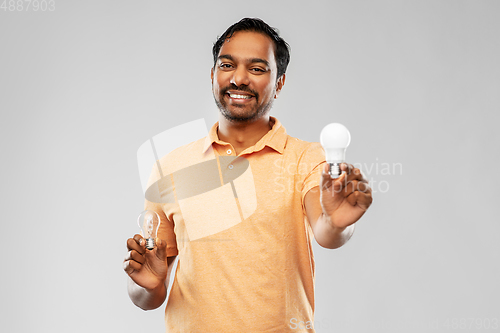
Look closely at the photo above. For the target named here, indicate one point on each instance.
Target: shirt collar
(275, 138)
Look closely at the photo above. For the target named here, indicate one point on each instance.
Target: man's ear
(279, 85)
(212, 75)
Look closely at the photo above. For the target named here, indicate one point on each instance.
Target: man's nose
(240, 77)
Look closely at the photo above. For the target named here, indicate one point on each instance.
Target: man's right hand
(147, 268)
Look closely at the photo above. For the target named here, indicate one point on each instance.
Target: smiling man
(256, 275)
(249, 58)
(245, 82)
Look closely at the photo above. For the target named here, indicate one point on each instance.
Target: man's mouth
(239, 95)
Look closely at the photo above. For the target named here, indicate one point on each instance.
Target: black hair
(281, 48)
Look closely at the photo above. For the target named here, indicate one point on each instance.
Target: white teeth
(240, 96)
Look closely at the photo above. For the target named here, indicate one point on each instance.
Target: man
(256, 275)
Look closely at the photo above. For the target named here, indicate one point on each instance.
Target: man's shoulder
(303, 148)
(192, 147)
(307, 156)
(185, 155)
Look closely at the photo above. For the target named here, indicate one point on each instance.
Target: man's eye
(257, 70)
(225, 66)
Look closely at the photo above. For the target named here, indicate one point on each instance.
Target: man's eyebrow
(264, 61)
(225, 56)
(250, 61)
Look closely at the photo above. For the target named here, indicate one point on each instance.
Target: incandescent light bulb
(335, 138)
(149, 222)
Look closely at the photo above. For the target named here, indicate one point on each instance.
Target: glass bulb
(149, 222)
(335, 138)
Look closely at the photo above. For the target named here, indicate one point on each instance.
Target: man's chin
(239, 115)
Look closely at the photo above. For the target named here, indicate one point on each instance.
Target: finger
(161, 249)
(131, 266)
(349, 188)
(363, 200)
(353, 198)
(339, 184)
(134, 244)
(347, 168)
(356, 185)
(354, 174)
(136, 256)
(138, 238)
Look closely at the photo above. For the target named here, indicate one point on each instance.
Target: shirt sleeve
(311, 167)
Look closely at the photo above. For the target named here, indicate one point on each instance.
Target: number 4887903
(28, 5)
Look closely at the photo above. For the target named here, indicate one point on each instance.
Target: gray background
(416, 82)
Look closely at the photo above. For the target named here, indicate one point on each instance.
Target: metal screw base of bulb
(150, 243)
(335, 170)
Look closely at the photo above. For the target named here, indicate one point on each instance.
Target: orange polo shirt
(238, 226)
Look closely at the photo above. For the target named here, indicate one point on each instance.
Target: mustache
(241, 88)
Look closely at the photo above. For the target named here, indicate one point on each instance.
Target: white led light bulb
(149, 222)
(335, 138)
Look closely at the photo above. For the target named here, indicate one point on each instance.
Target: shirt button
(229, 151)
(230, 166)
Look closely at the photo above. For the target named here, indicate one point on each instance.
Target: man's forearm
(329, 236)
(146, 299)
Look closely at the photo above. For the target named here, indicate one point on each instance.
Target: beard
(244, 116)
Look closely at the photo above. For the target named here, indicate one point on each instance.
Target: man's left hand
(345, 199)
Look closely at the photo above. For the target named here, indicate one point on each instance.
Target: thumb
(161, 249)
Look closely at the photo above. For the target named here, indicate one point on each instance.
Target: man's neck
(243, 135)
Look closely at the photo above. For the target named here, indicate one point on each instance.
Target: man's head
(281, 48)
(247, 74)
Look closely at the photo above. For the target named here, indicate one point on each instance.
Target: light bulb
(335, 138)
(149, 222)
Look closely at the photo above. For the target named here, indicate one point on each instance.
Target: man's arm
(148, 271)
(325, 233)
(334, 206)
(150, 299)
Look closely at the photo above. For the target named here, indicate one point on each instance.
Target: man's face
(244, 79)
